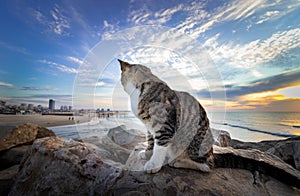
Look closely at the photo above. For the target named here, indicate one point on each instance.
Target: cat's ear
(124, 65)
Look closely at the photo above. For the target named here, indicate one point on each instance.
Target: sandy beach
(8, 122)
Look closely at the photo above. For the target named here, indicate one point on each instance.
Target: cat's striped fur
(178, 127)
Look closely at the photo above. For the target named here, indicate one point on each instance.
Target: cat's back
(189, 108)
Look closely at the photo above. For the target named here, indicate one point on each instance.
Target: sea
(243, 126)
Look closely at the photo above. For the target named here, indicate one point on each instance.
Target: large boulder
(56, 166)
(12, 156)
(23, 134)
(221, 137)
(126, 138)
(107, 149)
(44, 132)
(287, 150)
(7, 179)
(13, 146)
(257, 161)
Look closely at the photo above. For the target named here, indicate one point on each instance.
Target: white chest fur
(134, 94)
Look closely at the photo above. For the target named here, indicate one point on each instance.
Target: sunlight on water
(243, 126)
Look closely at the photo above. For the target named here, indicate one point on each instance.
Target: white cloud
(31, 88)
(144, 16)
(55, 21)
(255, 52)
(39, 16)
(60, 22)
(60, 67)
(14, 48)
(108, 29)
(75, 60)
(6, 85)
(100, 84)
(235, 10)
(199, 20)
(267, 16)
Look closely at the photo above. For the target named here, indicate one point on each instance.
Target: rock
(126, 138)
(4, 130)
(107, 149)
(287, 150)
(44, 132)
(134, 162)
(56, 166)
(7, 179)
(222, 138)
(12, 156)
(23, 134)
(256, 160)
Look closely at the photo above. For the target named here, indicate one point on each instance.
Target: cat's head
(134, 74)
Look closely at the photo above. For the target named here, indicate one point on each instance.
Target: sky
(251, 50)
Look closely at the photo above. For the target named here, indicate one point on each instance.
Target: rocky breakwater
(102, 166)
(13, 146)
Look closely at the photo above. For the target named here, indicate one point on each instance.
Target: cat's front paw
(142, 154)
(151, 168)
(145, 154)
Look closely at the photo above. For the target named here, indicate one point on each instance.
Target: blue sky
(254, 45)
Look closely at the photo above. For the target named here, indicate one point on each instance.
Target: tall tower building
(51, 104)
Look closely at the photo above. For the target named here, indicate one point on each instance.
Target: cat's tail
(257, 162)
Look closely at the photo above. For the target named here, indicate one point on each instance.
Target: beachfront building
(30, 107)
(51, 104)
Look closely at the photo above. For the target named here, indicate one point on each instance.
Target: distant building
(64, 108)
(23, 106)
(39, 108)
(51, 104)
(2, 103)
(30, 107)
(70, 108)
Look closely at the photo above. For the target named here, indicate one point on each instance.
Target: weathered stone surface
(222, 138)
(58, 166)
(23, 134)
(44, 132)
(4, 130)
(287, 150)
(12, 156)
(19, 135)
(107, 149)
(256, 160)
(126, 138)
(7, 179)
(134, 161)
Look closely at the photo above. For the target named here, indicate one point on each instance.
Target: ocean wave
(257, 130)
(290, 125)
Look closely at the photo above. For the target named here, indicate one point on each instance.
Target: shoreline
(55, 122)
(42, 120)
(8, 122)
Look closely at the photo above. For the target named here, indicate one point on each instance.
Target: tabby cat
(178, 127)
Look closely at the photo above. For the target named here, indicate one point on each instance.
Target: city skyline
(254, 46)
